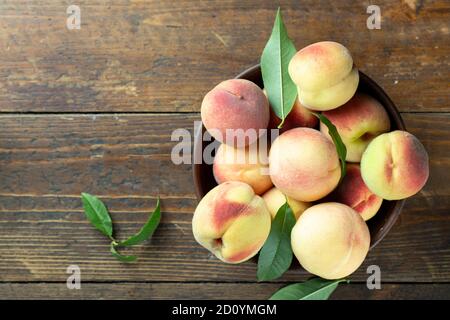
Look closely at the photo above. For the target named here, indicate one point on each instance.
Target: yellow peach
(330, 240)
(358, 122)
(325, 75)
(235, 112)
(249, 165)
(353, 192)
(395, 165)
(304, 164)
(274, 199)
(231, 222)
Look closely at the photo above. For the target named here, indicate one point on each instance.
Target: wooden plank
(47, 160)
(223, 291)
(134, 55)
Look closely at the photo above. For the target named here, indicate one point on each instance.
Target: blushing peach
(358, 122)
(249, 165)
(324, 74)
(274, 199)
(231, 222)
(330, 240)
(304, 164)
(235, 107)
(395, 165)
(353, 192)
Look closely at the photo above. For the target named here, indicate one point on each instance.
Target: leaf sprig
(275, 257)
(313, 289)
(97, 213)
(279, 50)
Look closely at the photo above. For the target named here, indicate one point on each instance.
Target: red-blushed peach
(231, 222)
(235, 112)
(358, 121)
(330, 240)
(274, 199)
(353, 192)
(249, 165)
(325, 75)
(395, 165)
(298, 117)
(304, 164)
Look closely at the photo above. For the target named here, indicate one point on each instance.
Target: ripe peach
(235, 111)
(304, 164)
(330, 240)
(358, 121)
(324, 74)
(274, 199)
(353, 192)
(249, 165)
(395, 165)
(231, 222)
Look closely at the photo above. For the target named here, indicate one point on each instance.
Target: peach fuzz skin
(324, 74)
(353, 192)
(358, 121)
(330, 240)
(274, 199)
(394, 165)
(249, 165)
(298, 117)
(304, 164)
(235, 104)
(231, 222)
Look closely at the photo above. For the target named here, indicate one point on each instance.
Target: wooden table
(93, 110)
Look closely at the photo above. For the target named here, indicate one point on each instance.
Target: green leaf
(340, 146)
(314, 289)
(147, 230)
(119, 256)
(276, 254)
(97, 214)
(275, 59)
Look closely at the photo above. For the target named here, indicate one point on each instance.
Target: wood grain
(224, 291)
(154, 56)
(156, 60)
(47, 160)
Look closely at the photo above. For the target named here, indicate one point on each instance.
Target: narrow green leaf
(97, 214)
(276, 254)
(147, 230)
(275, 59)
(340, 146)
(119, 256)
(314, 289)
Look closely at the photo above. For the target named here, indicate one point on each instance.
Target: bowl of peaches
(258, 165)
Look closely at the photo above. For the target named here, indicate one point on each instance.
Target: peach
(304, 164)
(353, 192)
(324, 74)
(231, 222)
(395, 165)
(358, 121)
(298, 117)
(235, 111)
(249, 165)
(274, 199)
(330, 240)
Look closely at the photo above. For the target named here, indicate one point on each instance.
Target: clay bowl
(379, 225)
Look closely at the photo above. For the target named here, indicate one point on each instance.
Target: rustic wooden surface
(93, 110)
